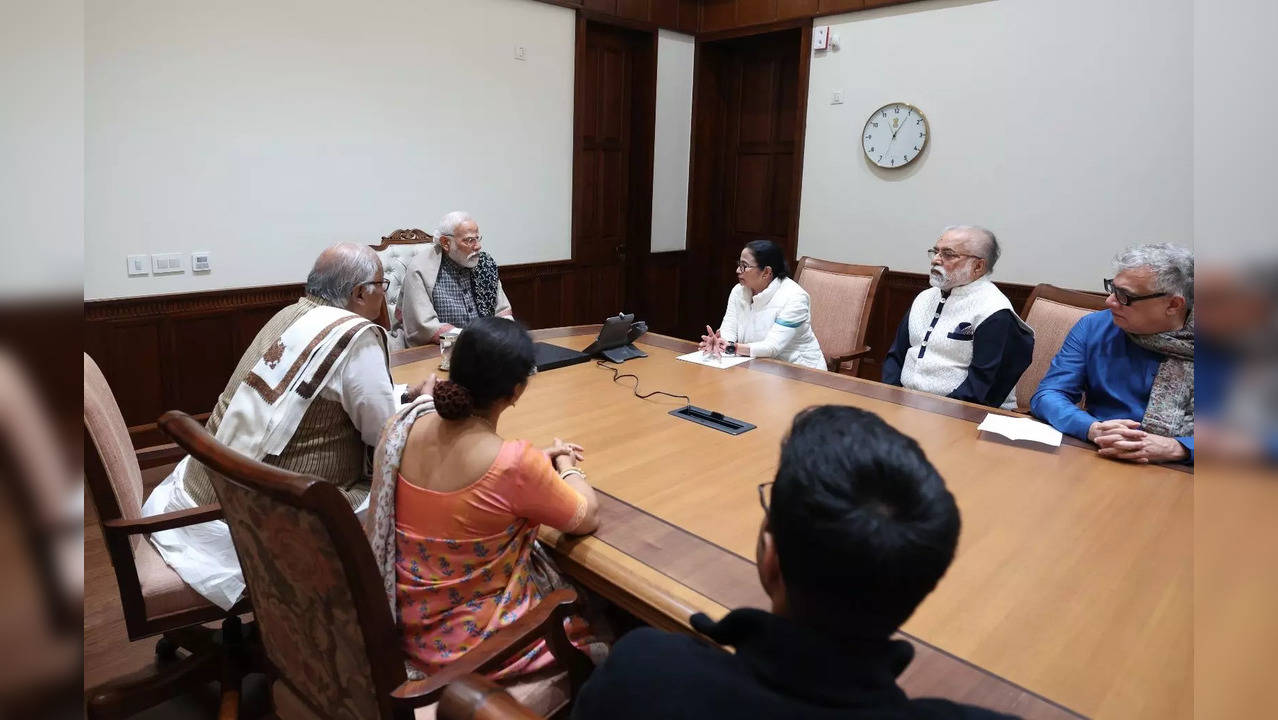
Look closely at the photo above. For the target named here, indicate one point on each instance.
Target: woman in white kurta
(767, 313)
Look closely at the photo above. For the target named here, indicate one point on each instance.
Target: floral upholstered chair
(329, 637)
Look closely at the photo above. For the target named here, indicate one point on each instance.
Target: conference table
(1070, 594)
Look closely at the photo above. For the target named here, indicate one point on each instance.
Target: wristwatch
(731, 349)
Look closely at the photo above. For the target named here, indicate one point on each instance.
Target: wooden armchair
(1052, 312)
(330, 640)
(475, 697)
(842, 296)
(154, 598)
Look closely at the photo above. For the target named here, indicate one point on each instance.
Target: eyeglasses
(1123, 297)
(467, 241)
(765, 495)
(743, 267)
(947, 255)
(385, 284)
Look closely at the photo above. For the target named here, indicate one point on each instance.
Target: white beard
(945, 282)
(460, 257)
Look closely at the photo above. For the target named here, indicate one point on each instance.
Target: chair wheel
(165, 649)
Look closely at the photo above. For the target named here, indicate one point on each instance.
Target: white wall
(41, 147)
(1066, 126)
(673, 141)
(264, 132)
(1235, 145)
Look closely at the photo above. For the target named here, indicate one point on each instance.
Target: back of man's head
(863, 524)
(338, 270)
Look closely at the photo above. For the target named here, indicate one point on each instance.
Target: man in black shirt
(858, 528)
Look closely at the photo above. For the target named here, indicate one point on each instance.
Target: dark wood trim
(1077, 298)
(760, 29)
(404, 237)
(137, 308)
(800, 135)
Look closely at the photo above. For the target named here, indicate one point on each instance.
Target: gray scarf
(1170, 411)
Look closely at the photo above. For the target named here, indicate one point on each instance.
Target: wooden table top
(1073, 577)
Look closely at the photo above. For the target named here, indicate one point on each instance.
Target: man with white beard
(961, 338)
(448, 284)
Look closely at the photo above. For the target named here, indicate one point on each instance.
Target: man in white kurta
(310, 395)
(961, 338)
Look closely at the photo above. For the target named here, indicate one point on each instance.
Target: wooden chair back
(318, 600)
(397, 251)
(842, 297)
(1052, 312)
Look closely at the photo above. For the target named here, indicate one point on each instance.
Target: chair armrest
(546, 617)
(164, 521)
(157, 455)
(850, 356)
(476, 696)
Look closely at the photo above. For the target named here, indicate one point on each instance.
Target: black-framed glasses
(1122, 295)
(385, 284)
(948, 255)
(765, 495)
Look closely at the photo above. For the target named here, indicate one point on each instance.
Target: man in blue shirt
(1133, 363)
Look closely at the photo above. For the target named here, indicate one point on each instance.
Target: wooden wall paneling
(689, 16)
(634, 9)
(825, 7)
(200, 353)
(665, 13)
(799, 132)
(796, 8)
(604, 6)
(663, 293)
(717, 15)
(755, 12)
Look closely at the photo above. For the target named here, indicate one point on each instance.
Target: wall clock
(894, 135)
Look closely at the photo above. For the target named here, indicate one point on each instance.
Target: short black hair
(769, 254)
(864, 525)
(492, 357)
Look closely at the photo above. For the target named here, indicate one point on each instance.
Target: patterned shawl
(485, 283)
(1170, 411)
(379, 521)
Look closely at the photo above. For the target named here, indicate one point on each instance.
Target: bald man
(311, 395)
(962, 338)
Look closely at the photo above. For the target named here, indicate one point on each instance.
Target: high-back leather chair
(397, 251)
(1052, 312)
(330, 641)
(842, 296)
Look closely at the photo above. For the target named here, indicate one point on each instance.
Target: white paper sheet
(1014, 428)
(723, 362)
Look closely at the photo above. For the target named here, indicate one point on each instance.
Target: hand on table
(564, 454)
(712, 343)
(1123, 442)
(425, 387)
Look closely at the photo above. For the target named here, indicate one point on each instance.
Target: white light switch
(137, 265)
(166, 263)
(821, 37)
(836, 97)
(200, 261)
(521, 52)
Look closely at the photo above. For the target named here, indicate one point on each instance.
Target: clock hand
(907, 117)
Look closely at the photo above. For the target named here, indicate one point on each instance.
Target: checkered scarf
(1170, 411)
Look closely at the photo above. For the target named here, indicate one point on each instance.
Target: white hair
(990, 252)
(339, 270)
(448, 225)
(1173, 267)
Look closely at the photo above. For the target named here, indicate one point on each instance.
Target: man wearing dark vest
(310, 394)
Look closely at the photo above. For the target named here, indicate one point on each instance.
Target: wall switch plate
(166, 263)
(836, 97)
(200, 261)
(821, 37)
(138, 265)
(521, 52)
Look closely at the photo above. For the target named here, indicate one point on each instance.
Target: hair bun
(452, 401)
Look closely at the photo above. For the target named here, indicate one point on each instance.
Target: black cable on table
(617, 375)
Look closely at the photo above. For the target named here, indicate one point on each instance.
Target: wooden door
(612, 178)
(747, 154)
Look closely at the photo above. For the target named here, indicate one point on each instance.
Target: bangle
(563, 474)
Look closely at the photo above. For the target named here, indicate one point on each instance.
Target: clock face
(894, 135)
